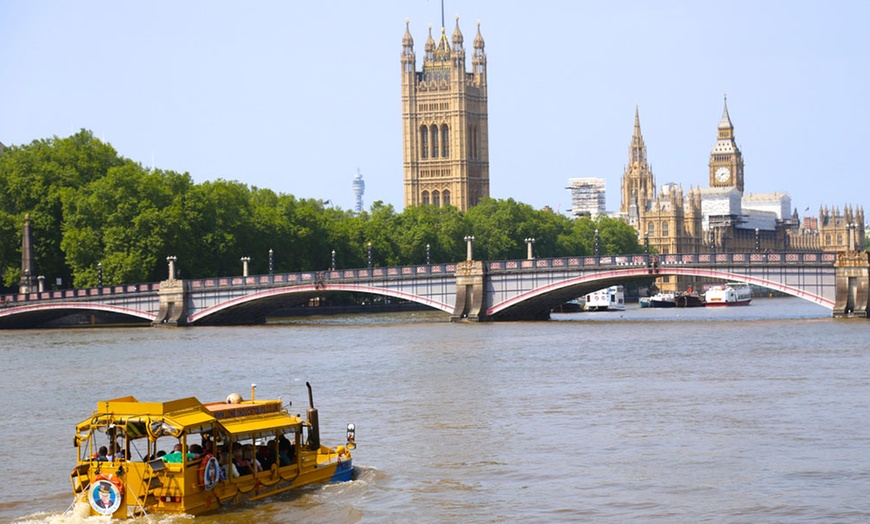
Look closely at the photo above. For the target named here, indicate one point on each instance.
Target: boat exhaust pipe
(314, 430)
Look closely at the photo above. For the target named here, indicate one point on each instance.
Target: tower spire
(725, 123)
(637, 154)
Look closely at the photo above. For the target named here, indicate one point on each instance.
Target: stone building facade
(445, 131)
(722, 218)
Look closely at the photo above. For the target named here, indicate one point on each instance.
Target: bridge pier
(469, 292)
(173, 303)
(853, 284)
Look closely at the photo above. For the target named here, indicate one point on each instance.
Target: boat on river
(185, 457)
(607, 299)
(689, 298)
(730, 294)
(662, 300)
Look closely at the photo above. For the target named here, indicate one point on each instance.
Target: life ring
(106, 494)
(111, 477)
(209, 472)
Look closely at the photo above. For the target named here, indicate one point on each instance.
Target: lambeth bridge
(469, 290)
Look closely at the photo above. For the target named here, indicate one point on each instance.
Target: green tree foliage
(90, 206)
(33, 180)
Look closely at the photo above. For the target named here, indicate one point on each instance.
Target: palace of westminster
(446, 162)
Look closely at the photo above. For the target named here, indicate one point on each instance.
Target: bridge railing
(78, 293)
(675, 259)
(321, 277)
(399, 272)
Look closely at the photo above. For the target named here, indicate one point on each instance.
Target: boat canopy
(264, 424)
(189, 415)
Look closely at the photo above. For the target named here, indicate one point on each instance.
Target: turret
(478, 60)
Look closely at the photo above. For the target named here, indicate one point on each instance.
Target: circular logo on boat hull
(104, 497)
(210, 474)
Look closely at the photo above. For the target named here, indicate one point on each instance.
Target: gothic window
(424, 141)
(472, 142)
(651, 229)
(445, 197)
(436, 200)
(434, 141)
(828, 240)
(425, 198)
(445, 141)
(664, 229)
(839, 239)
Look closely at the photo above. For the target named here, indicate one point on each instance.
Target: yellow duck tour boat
(184, 457)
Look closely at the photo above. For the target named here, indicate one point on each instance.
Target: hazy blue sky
(295, 96)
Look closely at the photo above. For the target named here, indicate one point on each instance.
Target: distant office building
(587, 196)
(445, 131)
(359, 189)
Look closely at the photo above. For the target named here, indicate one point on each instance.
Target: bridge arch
(536, 303)
(47, 312)
(261, 302)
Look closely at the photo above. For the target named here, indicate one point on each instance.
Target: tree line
(88, 205)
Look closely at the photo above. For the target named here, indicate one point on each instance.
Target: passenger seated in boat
(243, 466)
(196, 449)
(228, 468)
(176, 456)
(266, 455)
(286, 451)
(102, 454)
(249, 455)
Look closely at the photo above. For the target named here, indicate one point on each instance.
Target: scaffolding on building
(587, 196)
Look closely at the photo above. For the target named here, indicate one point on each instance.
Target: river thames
(754, 414)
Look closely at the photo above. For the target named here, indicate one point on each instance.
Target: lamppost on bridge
(468, 241)
(757, 241)
(370, 255)
(712, 242)
(646, 244)
(40, 284)
(597, 245)
(171, 261)
(529, 242)
(245, 261)
(271, 264)
(100, 276)
(428, 254)
(333, 260)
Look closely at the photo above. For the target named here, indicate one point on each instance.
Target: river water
(755, 414)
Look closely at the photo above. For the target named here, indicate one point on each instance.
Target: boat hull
(731, 294)
(729, 304)
(658, 304)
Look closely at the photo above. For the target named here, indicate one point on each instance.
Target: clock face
(723, 174)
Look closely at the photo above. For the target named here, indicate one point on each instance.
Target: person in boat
(243, 466)
(176, 455)
(102, 454)
(266, 455)
(286, 451)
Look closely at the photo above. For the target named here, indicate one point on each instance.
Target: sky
(297, 96)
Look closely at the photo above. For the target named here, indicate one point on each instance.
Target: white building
(587, 196)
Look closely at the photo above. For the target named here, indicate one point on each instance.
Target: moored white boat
(730, 294)
(662, 300)
(608, 299)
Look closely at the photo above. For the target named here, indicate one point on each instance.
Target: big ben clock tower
(726, 160)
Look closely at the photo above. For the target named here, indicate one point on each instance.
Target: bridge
(469, 290)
